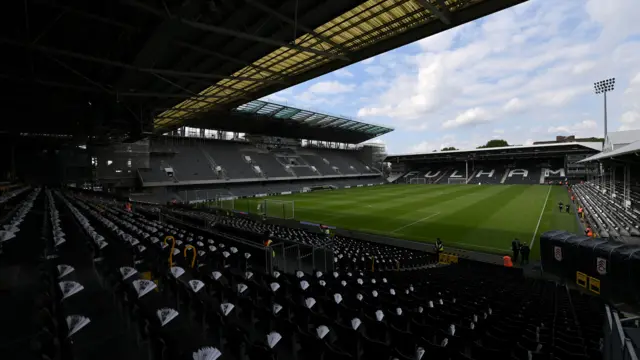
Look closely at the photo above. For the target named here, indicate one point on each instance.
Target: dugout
(556, 248)
(604, 267)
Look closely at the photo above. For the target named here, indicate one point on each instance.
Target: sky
(523, 74)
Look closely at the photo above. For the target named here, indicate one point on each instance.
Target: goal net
(225, 202)
(418, 180)
(276, 208)
(457, 181)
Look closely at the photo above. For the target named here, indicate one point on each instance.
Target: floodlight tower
(603, 87)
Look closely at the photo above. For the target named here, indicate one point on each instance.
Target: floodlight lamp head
(604, 85)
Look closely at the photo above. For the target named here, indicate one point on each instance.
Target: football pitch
(482, 218)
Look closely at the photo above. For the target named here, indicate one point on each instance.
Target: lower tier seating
(114, 284)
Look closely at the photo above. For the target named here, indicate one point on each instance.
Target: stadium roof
(266, 118)
(629, 149)
(311, 118)
(617, 139)
(136, 66)
(501, 152)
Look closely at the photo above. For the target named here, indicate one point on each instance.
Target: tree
(591, 139)
(494, 143)
(450, 148)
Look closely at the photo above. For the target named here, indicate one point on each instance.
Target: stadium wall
(603, 267)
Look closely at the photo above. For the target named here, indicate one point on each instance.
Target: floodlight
(603, 87)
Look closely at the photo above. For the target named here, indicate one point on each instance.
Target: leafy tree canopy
(494, 143)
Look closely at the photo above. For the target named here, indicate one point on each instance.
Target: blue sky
(523, 74)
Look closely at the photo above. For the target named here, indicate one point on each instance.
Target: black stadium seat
(108, 291)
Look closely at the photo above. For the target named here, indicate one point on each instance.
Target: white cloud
(422, 147)
(275, 98)
(330, 87)
(512, 106)
(441, 41)
(579, 129)
(470, 117)
(343, 73)
(630, 120)
(522, 74)
(375, 70)
(528, 63)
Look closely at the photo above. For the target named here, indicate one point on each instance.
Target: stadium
(157, 205)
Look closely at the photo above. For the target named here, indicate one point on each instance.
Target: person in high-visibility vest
(439, 247)
(507, 261)
(581, 212)
(589, 232)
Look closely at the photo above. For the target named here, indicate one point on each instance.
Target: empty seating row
(179, 161)
(179, 292)
(609, 218)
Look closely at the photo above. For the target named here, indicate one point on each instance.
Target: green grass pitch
(482, 218)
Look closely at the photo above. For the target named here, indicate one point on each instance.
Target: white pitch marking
(477, 246)
(415, 222)
(533, 239)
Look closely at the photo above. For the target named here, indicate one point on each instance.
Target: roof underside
(132, 66)
(311, 118)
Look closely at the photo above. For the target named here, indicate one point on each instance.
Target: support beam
(193, 94)
(224, 57)
(257, 4)
(94, 17)
(231, 32)
(444, 15)
(102, 89)
(170, 96)
(106, 62)
(245, 93)
(53, 84)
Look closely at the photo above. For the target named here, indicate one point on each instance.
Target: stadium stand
(532, 164)
(523, 173)
(488, 174)
(319, 163)
(198, 161)
(117, 279)
(186, 169)
(607, 217)
(269, 165)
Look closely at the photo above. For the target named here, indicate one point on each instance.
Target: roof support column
(443, 14)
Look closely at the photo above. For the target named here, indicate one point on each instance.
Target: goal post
(418, 180)
(457, 180)
(282, 209)
(225, 202)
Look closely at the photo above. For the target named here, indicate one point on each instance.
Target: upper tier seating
(134, 304)
(269, 164)
(228, 155)
(323, 167)
(225, 160)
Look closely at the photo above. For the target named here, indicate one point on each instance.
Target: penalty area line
(544, 206)
(477, 246)
(415, 222)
